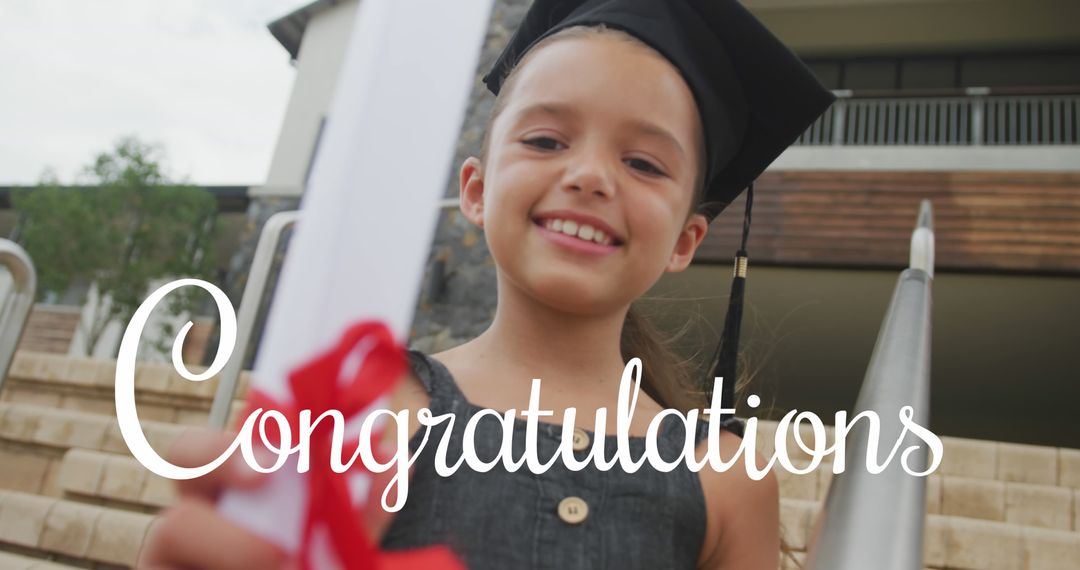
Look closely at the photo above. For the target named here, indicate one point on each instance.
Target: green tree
(123, 227)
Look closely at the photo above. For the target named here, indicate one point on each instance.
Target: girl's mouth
(579, 237)
(578, 230)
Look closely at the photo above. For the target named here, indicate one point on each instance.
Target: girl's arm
(743, 530)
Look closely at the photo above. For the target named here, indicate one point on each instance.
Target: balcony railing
(972, 117)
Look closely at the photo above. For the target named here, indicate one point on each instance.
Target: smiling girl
(621, 128)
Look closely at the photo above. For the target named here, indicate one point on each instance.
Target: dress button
(581, 439)
(573, 510)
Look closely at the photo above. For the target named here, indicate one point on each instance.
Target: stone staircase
(990, 505)
(71, 495)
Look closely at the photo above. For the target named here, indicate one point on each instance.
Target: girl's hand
(191, 533)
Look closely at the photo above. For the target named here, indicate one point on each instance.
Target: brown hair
(666, 376)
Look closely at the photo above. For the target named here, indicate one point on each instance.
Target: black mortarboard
(754, 95)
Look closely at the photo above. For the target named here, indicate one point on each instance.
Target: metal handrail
(18, 304)
(249, 308)
(876, 520)
(250, 303)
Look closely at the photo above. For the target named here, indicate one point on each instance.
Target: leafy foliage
(123, 228)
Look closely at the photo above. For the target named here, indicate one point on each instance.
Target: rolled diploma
(368, 216)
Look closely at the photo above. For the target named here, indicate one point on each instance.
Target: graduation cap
(754, 95)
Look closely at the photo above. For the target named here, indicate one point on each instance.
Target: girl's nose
(591, 173)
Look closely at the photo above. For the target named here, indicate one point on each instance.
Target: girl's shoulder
(426, 377)
(742, 513)
(412, 392)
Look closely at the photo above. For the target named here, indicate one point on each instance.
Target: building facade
(974, 104)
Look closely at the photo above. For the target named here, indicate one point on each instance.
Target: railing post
(978, 112)
(922, 240)
(839, 115)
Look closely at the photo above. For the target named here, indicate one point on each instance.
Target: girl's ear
(471, 191)
(690, 238)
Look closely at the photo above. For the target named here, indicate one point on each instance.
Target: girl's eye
(644, 166)
(546, 143)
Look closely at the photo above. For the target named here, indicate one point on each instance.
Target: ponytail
(671, 380)
(666, 376)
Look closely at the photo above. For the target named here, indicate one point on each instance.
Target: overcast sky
(205, 79)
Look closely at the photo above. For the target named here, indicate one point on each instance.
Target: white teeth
(583, 231)
(586, 232)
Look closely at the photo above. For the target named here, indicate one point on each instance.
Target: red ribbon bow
(318, 386)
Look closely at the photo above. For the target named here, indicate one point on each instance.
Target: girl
(620, 130)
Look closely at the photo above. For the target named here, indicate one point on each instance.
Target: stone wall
(460, 306)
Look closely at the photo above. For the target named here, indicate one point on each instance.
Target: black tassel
(727, 351)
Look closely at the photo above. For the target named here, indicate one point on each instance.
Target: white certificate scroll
(368, 216)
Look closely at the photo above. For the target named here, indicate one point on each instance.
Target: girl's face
(599, 133)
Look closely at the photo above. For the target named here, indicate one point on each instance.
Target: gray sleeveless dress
(558, 520)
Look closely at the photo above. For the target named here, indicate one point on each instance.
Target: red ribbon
(318, 386)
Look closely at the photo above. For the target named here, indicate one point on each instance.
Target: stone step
(1042, 506)
(34, 439)
(112, 480)
(50, 329)
(70, 530)
(87, 384)
(955, 542)
(963, 457)
(12, 561)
